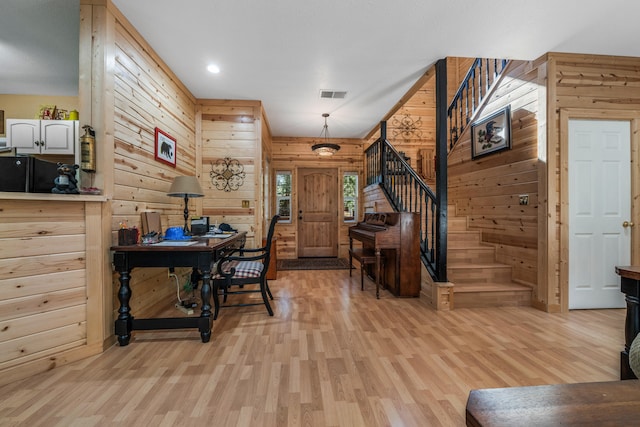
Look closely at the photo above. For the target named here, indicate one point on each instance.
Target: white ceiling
(283, 52)
(39, 47)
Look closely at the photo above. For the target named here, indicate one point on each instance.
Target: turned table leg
(123, 324)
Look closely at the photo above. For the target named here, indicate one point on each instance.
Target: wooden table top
(630, 271)
(197, 244)
(615, 403)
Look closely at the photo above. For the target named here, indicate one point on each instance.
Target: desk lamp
(185, 186)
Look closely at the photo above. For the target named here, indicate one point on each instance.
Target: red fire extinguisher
(88, 149)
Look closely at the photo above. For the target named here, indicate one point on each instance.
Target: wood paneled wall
(586, 87)
(147, 95)
(47, 272)
(411, 128)
(291, 154)
(411, 124)
(533, 239)
(374, 200)
(233, 129)
(487, 190)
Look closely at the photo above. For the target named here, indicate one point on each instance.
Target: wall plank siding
(411, 128)
(486, 190)
(44, 284)
(233, 129)
(583, 87)
(147, 95)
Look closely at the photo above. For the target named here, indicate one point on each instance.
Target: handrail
(406, 192)
(472, 92)
(404, 189)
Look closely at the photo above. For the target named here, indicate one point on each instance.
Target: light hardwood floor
(331, 356)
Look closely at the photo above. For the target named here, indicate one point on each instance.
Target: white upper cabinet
(42, 136)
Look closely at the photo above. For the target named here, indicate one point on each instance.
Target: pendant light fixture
(325, 149)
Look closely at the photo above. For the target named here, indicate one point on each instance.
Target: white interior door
(599, 204)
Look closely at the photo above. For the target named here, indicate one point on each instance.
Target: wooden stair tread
(468, 266)
(490, 287)
(478, 279)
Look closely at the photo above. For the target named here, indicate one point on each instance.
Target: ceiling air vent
(333, 94)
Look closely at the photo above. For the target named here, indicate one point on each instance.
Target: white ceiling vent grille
(333, 94)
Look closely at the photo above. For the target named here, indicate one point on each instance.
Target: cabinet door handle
(627, 224)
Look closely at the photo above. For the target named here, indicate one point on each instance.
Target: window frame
(355, 199)
(279, 198)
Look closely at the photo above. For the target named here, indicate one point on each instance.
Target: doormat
(313, 264)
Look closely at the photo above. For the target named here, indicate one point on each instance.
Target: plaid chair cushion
(244, 269)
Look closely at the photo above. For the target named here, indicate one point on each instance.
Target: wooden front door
(318, 213)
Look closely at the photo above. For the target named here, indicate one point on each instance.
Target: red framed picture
(165, 148)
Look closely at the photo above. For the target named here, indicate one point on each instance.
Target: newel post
(441, 169)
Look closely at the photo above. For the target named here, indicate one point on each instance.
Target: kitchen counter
(14, 195)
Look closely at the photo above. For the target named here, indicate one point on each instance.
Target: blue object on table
(175, 233)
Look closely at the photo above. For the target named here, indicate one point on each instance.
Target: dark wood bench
(366, 256)
(615, 403)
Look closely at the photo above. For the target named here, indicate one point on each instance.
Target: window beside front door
(283, 195)
(350, 196)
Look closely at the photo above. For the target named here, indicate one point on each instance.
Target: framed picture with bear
(491, 134)
(165, 149)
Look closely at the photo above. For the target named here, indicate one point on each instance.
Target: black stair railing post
(441, 170)
(383, 152)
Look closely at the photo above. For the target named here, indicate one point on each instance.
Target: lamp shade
(325, 148)
(185, 186)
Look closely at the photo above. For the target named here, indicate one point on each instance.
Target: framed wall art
(491, 134)
(166, 147)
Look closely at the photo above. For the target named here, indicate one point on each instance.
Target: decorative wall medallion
(227, 174)
(406, 127)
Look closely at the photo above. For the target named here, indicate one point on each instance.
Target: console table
(630, 286)
(615, 403)
(199, 254)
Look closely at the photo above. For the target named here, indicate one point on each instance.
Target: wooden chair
(237, 275)
(366, 256)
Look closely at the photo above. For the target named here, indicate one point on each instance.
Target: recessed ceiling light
(213, 68)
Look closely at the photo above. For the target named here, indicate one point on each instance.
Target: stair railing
(406, 192)
(474, 89)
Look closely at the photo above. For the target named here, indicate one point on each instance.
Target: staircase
(478, 280)
(453, 255)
